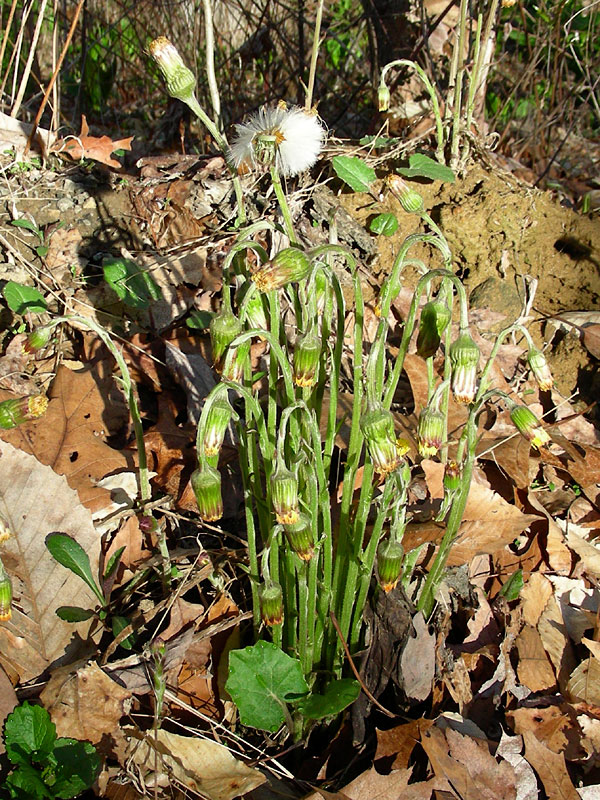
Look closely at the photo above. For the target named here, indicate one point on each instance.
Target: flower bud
(284, 495)
(541, 371)
(219, 417)
(38, 339)
(6, 594)
(430, 431)
(179, 79)
(5, 531)
(206, 483)
(224, 327)
(235, 361)
(383, 97)
(529, 425)
(22, 409)
(452, 476)
(290, 264)
(271, 604)
(300, 538)
(389, 564)
(377, 426)
(410, 200)
(307, 353)
(464, 358)
(255, 313)
(435, 317)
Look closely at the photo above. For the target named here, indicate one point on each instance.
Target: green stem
(283, 205)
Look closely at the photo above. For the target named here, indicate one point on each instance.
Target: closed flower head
(289, 139)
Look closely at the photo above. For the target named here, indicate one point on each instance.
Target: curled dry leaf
(96, 148)
(34, 502)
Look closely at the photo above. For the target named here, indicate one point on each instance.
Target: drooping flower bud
(235, 361)
(389, 564)
(22, 409)
(430, 431)
(307, 353)
(38, 339)
(290, 264)
(526, 422)
(383, 97)
(179, 79)
(377, 425)
(219, 417)
(206, 483)
(271, 604)
(541, 371)
(255, 313)
(410, 200)
(284, 495)
(300, 537)
(452, 476)
(435, 317)
(6, 594)
(464, 358)
(224, 327)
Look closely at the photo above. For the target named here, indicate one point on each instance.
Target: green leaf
(353, 171)
(113, 562)
(262, 679)
(379, 141)
(119, 624)
(77, 767)
(199, 319)
(71, 555)
(512, 588)
(338, 695)
(28, 225)
(22, 299)
(25, 783)
(421, 166)
(29, 734)
(42, 250)
(385, 224)
(74, 613)
(133, 285)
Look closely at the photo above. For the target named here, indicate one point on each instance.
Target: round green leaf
(384, 224)
(337, 696)
(22, 299)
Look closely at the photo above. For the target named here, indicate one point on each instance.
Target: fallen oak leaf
(96, 148)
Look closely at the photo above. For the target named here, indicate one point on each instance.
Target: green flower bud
(300, 538)
(271, 604)
(290, 264)
(410, 200)
(224, 327)
(235, 361)
(255, 313)
(383, 97)
(38, 339)
(6, 594)
(526, 422)
(541, 371)
(219, 417)
(464, 358)
(284, 496)
(389, 564)
(22, 409)
(307, 353)
(435, 318)
(206, 483)
(452, 476)
(179, 79)
(377, 425)
(430, 431)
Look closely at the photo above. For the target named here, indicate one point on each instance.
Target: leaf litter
(498, 699)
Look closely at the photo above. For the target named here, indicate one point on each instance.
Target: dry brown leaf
(400, 742)
(456, 776)
(550, 768)
(65, 254)
(488, 779)
(201, 765)
(8, 700)
(34, 502)
(370, 785)
(71, 437)
(555, 726)
(593, 647)
(534, 668)
(510, 749)
(587, 552)
(417, 663)
(534, 596)
(591, 339)
(86, 704)
(96, 148)
(556, 641)
(584, 683)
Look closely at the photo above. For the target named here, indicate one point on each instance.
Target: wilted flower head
(288, 138)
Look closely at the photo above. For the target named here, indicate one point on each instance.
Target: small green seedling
(23, 299)
(44, 765)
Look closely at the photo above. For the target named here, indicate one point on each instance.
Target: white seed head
(293, 136)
